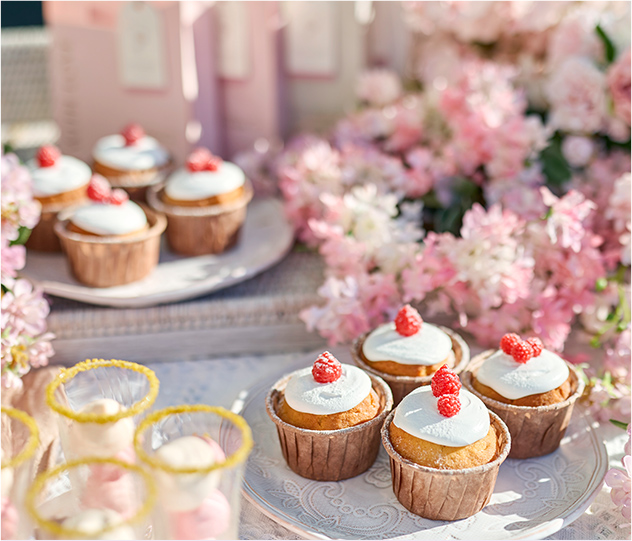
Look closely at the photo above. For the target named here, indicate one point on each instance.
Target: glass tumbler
(197, 455)
(98, 404)
(20, 438)
(92, 498)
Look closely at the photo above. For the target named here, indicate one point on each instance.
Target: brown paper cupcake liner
(402, 385)
(196, 231)
(445, 494)
(330, 455)
(135, 183)
(535, 431)
(112, 261)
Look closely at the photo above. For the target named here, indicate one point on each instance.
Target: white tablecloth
(219, 382)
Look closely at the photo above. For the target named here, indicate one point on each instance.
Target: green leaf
(601, 284)
(619, 424)
(7, 148)
(608, 46)
(595, 342)
(23, 235)
(554, 165)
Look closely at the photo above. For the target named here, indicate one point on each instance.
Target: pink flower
(18, 207)
(24, 308)
(578, 150)
(378, 87)
(576, 92)
(13, 259)
(566, 216)
(618, 78)
(619, 481)
(574, 37)
(619, 211)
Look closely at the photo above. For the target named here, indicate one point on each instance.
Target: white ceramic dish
(533, 498)
(265, 239)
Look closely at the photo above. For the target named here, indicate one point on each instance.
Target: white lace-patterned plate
(265, 239)
(532, 499)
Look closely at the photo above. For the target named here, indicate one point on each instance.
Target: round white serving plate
(266, 238)
(532, 499)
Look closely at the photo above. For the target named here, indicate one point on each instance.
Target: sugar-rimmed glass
(199, 485)
(17, 472)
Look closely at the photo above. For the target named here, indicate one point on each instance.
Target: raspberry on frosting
(99, 189)
(48, 155)
(118, 197)
(327, 368)
(202, 159)
(445, 381)
(522, 352)
(507, 342)
(449, 405)
(132, 134)
(408, 321)
(536, 344)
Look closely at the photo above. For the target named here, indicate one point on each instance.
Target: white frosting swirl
(418, 415)
(514, 380)
(303, 393)
(428, 346)
(66, 175)
(105, 219)
(146, 153)
(185, 185)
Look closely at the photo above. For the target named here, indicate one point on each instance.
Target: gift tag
(234, 42)
(141, 46)
(310, 39)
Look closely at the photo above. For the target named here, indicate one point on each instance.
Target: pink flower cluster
(620, 482)
(24, 340)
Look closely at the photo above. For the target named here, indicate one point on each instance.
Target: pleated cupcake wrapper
(402, 385)
(445, 494)
(535, 431)
(112, 261)
(330, 455)
(133, 179)
(202, 230)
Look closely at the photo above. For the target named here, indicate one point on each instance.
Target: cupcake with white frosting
(131, 160)
(59, 182)
(445, 449)
(205, 202)
(406, 352)
(328, 418)
(531, 388)
(111, 240)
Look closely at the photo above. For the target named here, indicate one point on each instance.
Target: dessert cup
(330, 455)
(445, 494)
(402, 385)
(202, 230)
(20, 441)
(115, 260)
(535, 431)
(117, 508)
(135, 183)
(85, 431)
(195, 501)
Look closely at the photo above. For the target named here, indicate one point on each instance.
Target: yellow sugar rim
(90, 364)
(31, 445)
(238, 456)
(69, 533)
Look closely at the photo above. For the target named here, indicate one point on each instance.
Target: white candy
(185, 492)
(92, 521)
(7, 479)
(96, 439)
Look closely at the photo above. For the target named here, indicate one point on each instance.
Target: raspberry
(99, 189)
(198, 160)
(213, 163)
(132, 134)
(408, 321)
(326, 368)
(522, 352)
(445, 381)
(118, 197)
(449, 405)
(536, 344)
(48, 155)
(507, 342)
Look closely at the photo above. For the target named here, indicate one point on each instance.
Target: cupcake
(445, 449)
(532, 390)
(205, 203)
(408, 351)
(112, 240)
(131, 160)
(328, 418)
(59, 182)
